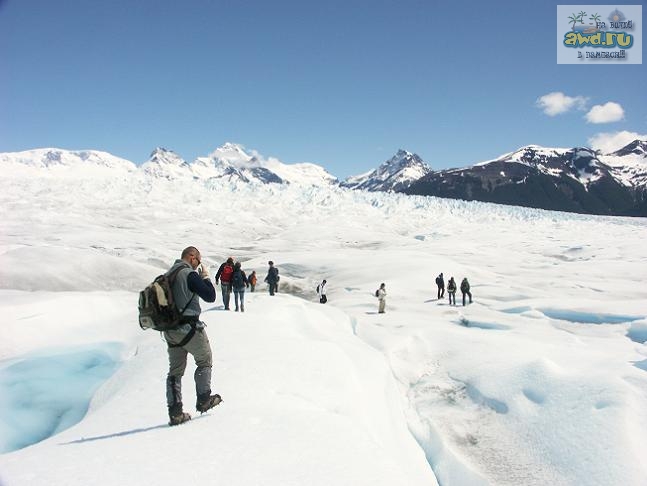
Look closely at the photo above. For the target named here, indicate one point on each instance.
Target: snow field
(541, 381)
(304, 400)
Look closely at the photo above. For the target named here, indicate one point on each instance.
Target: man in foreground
(190, 336)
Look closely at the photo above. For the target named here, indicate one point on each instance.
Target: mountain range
(576, 180)
(565, 179)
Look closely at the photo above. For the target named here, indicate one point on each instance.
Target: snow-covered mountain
(396, 174)
(166, 163)
(630, 163)
(234, 163)
(566, 179)
(580, 164)
(55, 159)
(230, 163)
(233, 166)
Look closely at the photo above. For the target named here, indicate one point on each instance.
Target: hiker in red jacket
(224, 275)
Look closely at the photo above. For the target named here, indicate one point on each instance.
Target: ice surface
(49, 391)
(540, 381)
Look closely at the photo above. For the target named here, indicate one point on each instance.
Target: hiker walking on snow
(451, 290)
(238, 283)
(272, 278)
(252, 281)
(321, 291)
(440, 282)
(190, 336)
(223, 275)
(381, 297)
(465, 288)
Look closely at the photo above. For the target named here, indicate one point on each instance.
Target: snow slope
(543, 380)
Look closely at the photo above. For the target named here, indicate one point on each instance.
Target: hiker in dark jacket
(440, 282)
(223, 275)
(465, 288)
(238, 283)
(190, 336)
(272, 278)
(451, 290)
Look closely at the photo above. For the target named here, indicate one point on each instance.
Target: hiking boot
(179, 419)
(207, 403)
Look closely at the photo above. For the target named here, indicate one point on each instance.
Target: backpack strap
(187, 304)
(186, 338)
(191, 333)
(171, 277)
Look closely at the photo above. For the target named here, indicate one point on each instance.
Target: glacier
(540, 381)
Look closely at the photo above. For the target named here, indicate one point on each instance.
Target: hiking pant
(226, 294)
(441, 292)
(468, 293)
(452, 297)
(252, 287)
(240, 292)
(273, 287)
(200, 348)
(381, 306)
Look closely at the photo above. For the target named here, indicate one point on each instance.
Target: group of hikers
(451, 289)
(191, 279)
(380, 293)
(232, 278)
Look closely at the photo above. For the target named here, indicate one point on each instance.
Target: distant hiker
(465, 288)
(272, 277)
(190, 336)
(381, 296)
(440, 282)
(321, 291)
(451, 290)
(223, 275)
(252, 281)
(238, 283)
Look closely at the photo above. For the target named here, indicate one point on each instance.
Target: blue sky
(343, 84)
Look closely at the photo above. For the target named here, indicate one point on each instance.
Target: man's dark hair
(189, 250)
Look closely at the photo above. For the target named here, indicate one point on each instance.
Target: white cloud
(606, 113)
(557, 103)
(610, 142)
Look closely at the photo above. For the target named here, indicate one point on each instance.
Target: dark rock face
(574, 180)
